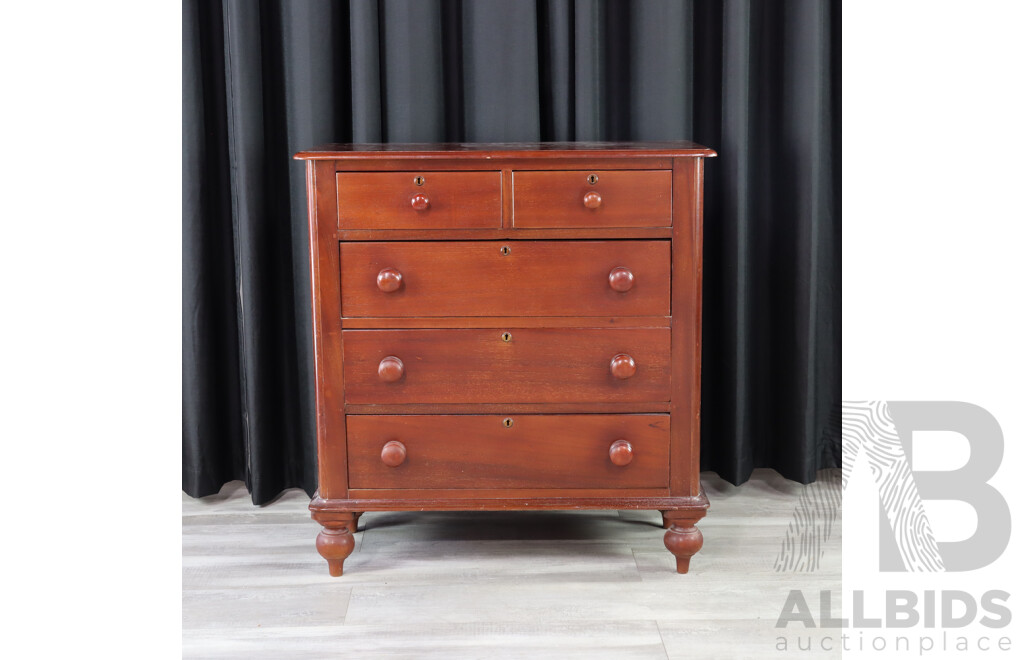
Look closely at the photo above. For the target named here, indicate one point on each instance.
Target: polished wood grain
(390, 369)
(326, 314)
(621, 279)
(393, 453)
(537, 365)
(617, 198)
(511, 278)
(507, 233)
(447, 163)
(399, 322)
(420, 202)
(589, 308)
(389, 280)
(335, 542)
(623, 366)
(512, 499)
(621, 452)
(394, 200)
(550, 152)
(544, 408)
(687, 258)
(524, 451)
(459, 499)
(682, 538)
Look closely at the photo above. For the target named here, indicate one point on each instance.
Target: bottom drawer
(521, 451)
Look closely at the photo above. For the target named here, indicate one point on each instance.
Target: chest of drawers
(506, 326)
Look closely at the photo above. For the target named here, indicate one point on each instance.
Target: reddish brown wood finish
(420, 202)
(553, 154)
(505, 408)
(623, 366)
(618, 198)
(389, 280)
(683, 539)
(393, 200)
(530, 278)
(393, 454)
(326, 299)
(538, 365)
(393, 322)
(536, 451)
(506, 234)
(621, 279)
(335, 542)
(595, 271)
(511, 499)
(446, 162)
(686, 302)
(390, 369)
(621, 452)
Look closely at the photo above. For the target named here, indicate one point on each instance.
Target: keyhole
(506, 336)
(419, 181)
(592, 179)
(505, 250)
(507, 422)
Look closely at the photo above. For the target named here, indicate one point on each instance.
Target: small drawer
(419, 200)
(592, 198)
(507, 365)
(511, 278)
(517, 451)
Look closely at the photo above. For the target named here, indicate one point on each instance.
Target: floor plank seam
(664, 647)
(636, 563)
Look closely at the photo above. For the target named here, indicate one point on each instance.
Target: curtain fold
(756, 81)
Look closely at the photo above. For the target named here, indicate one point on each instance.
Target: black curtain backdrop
(758, 81)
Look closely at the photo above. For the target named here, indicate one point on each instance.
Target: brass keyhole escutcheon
(507, 422)
(505, 250)
(419, 181)
(592, 179)
(506, 336)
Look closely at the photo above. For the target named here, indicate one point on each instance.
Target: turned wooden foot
(664, 521)
(335, 543)
(355, 521)
(683, 539)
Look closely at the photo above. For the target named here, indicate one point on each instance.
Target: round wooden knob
(393, 453)
(389, 280)
(592, 200)
(620, 279)
(390, 369)
(621, 452)
(623, 366)
(420, 202)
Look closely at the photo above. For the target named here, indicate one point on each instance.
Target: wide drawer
(519, 451)
(592, 198)
(419, 200)
(511, 278)
(507, 365)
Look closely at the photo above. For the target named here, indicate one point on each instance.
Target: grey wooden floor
(585, 584)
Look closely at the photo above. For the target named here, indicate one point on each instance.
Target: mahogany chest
(506, 326)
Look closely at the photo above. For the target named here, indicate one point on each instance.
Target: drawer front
(511, 278)
(482, 451)
(419, 200)
(617, 198)
(507, 365)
